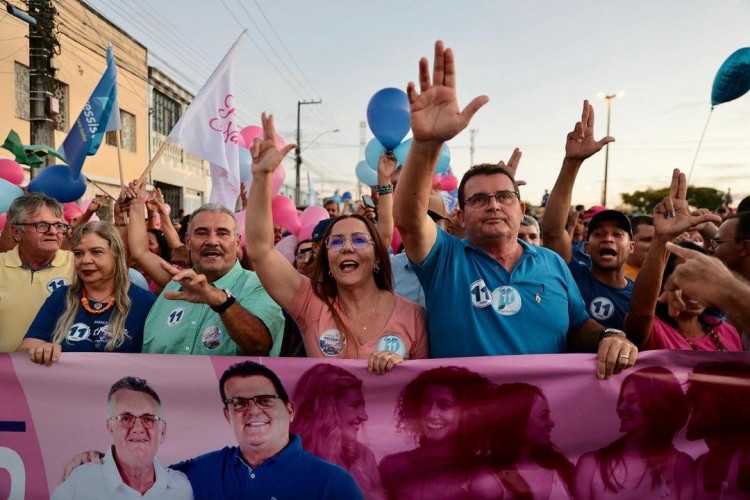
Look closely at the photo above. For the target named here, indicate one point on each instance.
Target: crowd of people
(487, 280)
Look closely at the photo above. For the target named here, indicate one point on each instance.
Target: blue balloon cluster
(59, 182)
(8, 193)
(365, 174)
(388, 116)
(443, 163)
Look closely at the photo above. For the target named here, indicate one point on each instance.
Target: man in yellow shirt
(34, 268)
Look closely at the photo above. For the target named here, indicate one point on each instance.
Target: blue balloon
(246, 161)
(443, 163)
(388, 116)
(733, 78)
(365, 174)
(373, 150)
(8, 193)
(346, 196)
(59, 182)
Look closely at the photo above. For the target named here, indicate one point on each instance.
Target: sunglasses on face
(337, 242)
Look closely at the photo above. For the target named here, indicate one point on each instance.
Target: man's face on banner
(138, 444)
(440, 413)
(255, 427)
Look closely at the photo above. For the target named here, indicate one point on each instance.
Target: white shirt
(97, 481)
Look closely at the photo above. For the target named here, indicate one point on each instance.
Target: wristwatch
(611, 331)
(221, 308)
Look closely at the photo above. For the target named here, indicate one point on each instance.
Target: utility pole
(472, 134)
(43, 45)
(298, 151)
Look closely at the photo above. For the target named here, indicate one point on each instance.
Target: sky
(537, 61)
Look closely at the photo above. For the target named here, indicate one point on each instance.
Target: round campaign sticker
(332, 343)
(211, 337)
(175, 316)
(102, 335)
(480, 294)
(393, 343)
(506, 300)
(601, 308)
(56, 283)
(78, 332)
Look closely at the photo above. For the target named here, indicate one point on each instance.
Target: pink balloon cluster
(447, 182)
(11, 171)
(247, 137)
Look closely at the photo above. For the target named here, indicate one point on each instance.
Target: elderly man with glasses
(34, 268)
(491, 293)
(130, 468)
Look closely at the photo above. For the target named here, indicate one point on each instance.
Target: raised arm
(386, 168)
(149, 263)
(435, 119)
(167, 228)
(580, 144)
(671, 218)
(277, 274)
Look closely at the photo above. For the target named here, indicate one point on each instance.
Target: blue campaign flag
(100, 114)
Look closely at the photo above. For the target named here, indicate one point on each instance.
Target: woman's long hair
(501, 436)
(116, 326)
(665, 410)
(316, 418)
(161, 240)
(324, 284)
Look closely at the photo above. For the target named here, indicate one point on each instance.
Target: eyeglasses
(481, 200)
(127, 421)
(44, 227)
(715, 242)
(359, 241)
(302, 253)
(262, 401)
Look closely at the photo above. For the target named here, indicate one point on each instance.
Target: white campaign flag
(209, 129)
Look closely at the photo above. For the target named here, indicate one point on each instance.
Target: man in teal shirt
(217, 307)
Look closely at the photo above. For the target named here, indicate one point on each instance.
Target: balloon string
(699, 145)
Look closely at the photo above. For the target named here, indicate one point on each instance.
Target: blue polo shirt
(291, 473)
(606, 304)
(476, 308)
(90, 332)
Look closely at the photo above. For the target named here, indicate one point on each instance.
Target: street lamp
(321, 135)
(298, 151)
(608, 97)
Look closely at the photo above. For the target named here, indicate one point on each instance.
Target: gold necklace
(711, 334)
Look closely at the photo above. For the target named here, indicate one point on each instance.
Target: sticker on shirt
(480, 294)
(601, 308)
(78, 332)
(392, 343)
(56, 283)
(175, 316)
(212, 337)
(506, 300)
(102, 336)
(332, 343)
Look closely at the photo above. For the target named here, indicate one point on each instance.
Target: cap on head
(436, 208)
(619, 218)
(593, 211)
(320, 229)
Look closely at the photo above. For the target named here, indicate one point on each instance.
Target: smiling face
(136, 446)
(34, 243)
(630, 410)
(153, 243)
(440, 414)
(609, 246)
(494, 221)
(350, 266)
(351, 412)
(261, 433)
(94, 259)
(213, 242)
(539, 427)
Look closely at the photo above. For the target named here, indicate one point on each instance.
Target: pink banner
(448, 428)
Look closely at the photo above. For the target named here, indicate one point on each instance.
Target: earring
(330, 273)
(376, 270)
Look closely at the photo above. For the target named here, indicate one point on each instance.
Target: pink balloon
(306, 232)
(249, 134)
(71, 210)
(395, 240)
(3, 219)
(449, 182)
(313, 215)
(437, 180)
(278, 179)
(11, 171)
(286, 246)
(240, 216)
(167, 208)
(285, 213)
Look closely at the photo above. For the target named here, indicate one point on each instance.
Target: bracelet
(611, 331)
(385, 189)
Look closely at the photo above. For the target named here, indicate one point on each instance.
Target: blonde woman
(93, 313)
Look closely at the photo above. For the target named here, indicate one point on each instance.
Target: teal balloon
(373, 150)
(245, 165)
(733, 78)
(365, 174)
(59, 182)
(443, 163)
(8, 193)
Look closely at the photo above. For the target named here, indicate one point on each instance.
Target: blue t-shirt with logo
(90, 332)
(476, 308)
(606, 304)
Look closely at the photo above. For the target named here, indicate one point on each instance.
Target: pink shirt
(663, 336)
(404, 333)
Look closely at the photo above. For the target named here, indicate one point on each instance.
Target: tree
(699, 197)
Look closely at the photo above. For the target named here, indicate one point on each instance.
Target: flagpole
(119, 158)
(153, 161)
(100, 188)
